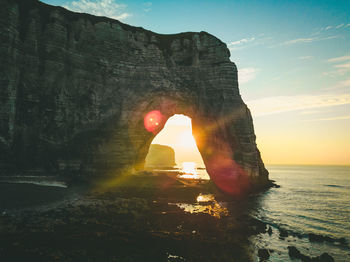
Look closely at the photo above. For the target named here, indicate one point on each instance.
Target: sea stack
(160, 156)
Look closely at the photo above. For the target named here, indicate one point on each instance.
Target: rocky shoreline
(123, 223)
(139, 218)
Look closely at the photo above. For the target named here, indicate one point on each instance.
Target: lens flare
(227, 174)
(153, 121)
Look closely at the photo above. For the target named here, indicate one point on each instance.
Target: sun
(177, 133)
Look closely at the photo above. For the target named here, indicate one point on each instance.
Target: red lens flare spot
(153, 120)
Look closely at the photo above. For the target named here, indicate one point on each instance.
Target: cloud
(344, 83)
(339, 26)
(326, 28)
(305, 57)
(346, 66)
(330, 118)
(147, 6)
(335, 27)
(309, 112)
(235, 45)
(339, 59)
(307, 40)
(108, 8)
(300, 40)
(336, 73)
(247, 74)
(242, 41)
(279, 104)
(341, 69)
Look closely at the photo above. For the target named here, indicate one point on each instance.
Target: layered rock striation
(76, 88)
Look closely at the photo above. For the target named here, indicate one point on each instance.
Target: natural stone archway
(75, 89)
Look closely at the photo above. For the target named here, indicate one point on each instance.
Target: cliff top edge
(25, 6)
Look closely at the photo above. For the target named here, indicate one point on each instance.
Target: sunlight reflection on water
(206, 204)
(205, 198)
(189, 170)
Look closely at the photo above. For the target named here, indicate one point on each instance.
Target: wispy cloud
(305, 57)
(147, 6)
(346, 66)
(339, 59)
(108, 8)
(239, 43)
(329, 27)
(279, 104)
(339, 26)
(330, 118)
(307, 40)
(300, 40)
(340, 69)
(247, 74)
(258, 40)
(310, 112)
(344, 83)
(336, 73)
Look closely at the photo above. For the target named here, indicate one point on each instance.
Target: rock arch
(76, 89)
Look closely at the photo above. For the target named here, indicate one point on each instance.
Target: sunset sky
(293, 59)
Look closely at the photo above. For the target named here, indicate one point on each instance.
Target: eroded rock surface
(75, 89)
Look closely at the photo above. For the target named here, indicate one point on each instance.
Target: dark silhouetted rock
(293, 252)
(325, 257)
(316, 238)
(342, 241)
(283, 233)
(75, 90)
(269, 231)
(319, 238)
(263, 254)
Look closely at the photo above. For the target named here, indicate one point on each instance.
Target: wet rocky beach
(123, 223)
(144, 217)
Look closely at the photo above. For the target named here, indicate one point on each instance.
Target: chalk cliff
(75, 91)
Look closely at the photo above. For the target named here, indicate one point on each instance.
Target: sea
(310, 199)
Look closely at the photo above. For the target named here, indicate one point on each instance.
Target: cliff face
(76, 90)
(160, 156)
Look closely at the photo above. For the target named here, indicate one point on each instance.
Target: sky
(177, 133)
(293, 60)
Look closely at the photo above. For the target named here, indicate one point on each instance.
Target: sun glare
(186, 140)
(189, 168)
(177, 133)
